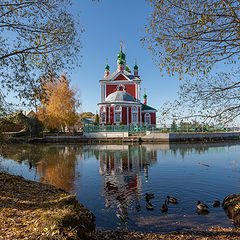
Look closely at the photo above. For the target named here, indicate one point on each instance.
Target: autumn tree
(59, 106)
(37, 37)
(189, 37)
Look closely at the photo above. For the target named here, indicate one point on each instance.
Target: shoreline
(151, 137)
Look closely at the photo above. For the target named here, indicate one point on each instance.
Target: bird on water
(216, 203)
(201, 206)
(164, 207)
(172, 200)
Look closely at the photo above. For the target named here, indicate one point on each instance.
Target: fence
(131, 129)
(137, 129)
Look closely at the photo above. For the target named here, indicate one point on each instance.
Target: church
(121, 97)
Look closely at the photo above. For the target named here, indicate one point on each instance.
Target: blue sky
(105, 24)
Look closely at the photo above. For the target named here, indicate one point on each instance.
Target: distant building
(31, 114)
(120, 97)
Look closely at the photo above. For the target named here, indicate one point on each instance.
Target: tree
(58, 107)
(37, 37)
(86, 115)
(97, 118)
(190, 36)
(208, 98)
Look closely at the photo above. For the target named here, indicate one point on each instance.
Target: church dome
(121, 55)
(120, 96)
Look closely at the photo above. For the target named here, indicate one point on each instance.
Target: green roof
(146, 107)
(107, 67)
(127, 68)
(121, 55)
(120, 62)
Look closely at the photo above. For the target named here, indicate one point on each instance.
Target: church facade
(121, 97)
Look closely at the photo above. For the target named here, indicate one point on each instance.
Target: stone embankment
(150, 137)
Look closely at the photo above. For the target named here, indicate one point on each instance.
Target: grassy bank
(32, 210)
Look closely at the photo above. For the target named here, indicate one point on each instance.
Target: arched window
(134, 114)
(148, 118)
(103, 115)
(117, 114)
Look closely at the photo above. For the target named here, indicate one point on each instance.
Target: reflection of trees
(54, 163)
(58, 167)
(198, 148)
(121, 171)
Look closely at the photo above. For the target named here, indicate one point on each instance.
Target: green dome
(121, 55)
(127, 68)
(121, 62)
(107, 67)
(135, 67)
(145, 96)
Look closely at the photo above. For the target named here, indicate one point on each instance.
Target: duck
(164, 207)
(216, 203)
(149, 196)
(201, 206)
(149, 206)
(172, 200)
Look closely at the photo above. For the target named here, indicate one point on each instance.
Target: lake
(112, 180)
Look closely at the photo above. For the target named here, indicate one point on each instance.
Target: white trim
(103, 111)
(118, 111)
(123, 104)
(147, 115)
(127, 115)
(120, 72)
(120, 81)
(134, 110)
(149, 111)
(139, 92)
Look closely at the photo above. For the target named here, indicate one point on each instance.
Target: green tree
(37, 37)
(97, 118)
(86, 115)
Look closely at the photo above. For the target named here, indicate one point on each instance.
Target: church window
(147, 119)
(117, 114)
(134, 115)
(103, 115)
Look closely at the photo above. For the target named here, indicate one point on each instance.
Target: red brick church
(121, 97)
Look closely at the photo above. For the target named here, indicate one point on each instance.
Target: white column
(139, 92)
(102, 93)
(127, 117)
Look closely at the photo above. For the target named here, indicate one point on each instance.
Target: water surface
(112, 180)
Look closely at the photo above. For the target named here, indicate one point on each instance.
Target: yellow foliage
(58, 108)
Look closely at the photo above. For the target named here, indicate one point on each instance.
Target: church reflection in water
(122, 169)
